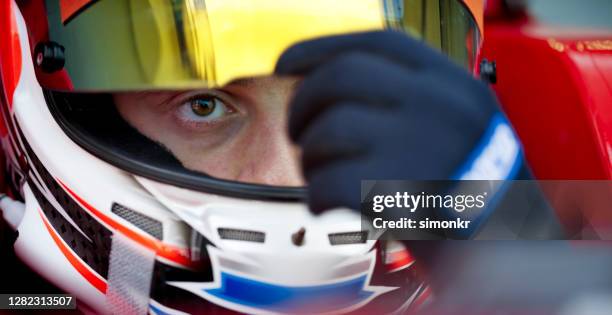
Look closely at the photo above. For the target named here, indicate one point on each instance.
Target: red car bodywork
(555, 85)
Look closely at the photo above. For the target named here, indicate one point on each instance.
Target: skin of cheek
(198, 151)
(261, 152)
(252, 146)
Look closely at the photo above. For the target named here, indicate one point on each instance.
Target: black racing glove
(381, 105)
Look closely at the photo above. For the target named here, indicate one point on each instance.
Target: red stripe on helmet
(172, 253)
(399, 259)
(69, 8)
(10, 52)
(91, 277)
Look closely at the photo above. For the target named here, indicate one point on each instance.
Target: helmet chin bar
(276, 263)
(250, 245)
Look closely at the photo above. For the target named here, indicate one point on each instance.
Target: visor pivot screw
(39, 59)
(488, 71)
(49, 56)
(298, 237)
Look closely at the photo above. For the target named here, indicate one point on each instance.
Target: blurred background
(576, 13)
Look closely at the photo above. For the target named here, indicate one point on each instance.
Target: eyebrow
(243, 82)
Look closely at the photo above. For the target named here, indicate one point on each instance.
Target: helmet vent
(145, 223)
(241, 235)
(346, 238)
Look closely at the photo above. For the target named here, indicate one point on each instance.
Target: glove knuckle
(331, 124)
(347, 62)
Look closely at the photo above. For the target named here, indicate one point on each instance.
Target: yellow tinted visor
(258, 25)
(161, 44)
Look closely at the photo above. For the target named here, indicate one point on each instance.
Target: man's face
(237, 132)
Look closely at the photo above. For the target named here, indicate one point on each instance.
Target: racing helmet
(117, 220)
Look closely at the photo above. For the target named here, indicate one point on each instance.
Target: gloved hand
(381, 105)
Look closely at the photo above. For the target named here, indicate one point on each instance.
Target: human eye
(203, 110)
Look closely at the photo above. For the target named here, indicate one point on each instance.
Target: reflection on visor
(159, 44)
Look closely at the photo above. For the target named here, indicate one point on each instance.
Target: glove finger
(335, 186)
(339, 184)
(341, 133)
(360, 78)
(303, 57)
